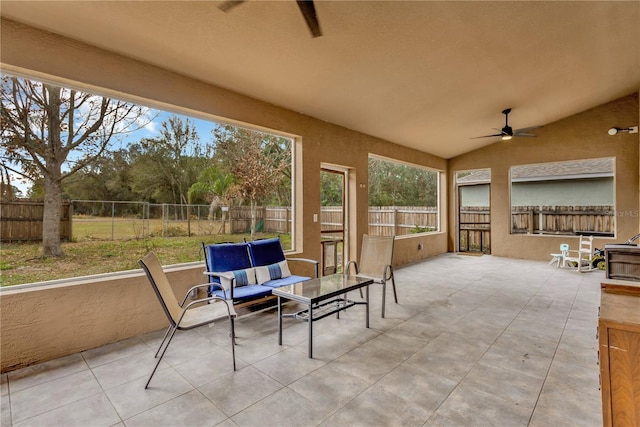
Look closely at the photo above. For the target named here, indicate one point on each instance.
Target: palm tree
(215, 187)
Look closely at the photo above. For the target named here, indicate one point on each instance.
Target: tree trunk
(253, 219)
(51, 218)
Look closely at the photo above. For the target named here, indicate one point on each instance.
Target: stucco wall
(40, 323)
(582, 136)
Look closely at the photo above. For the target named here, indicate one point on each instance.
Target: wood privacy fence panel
(331, 218)
(475, 229)
(563, 219)
(271, 219)
(398, 221)
(277, 220)
(21, 220)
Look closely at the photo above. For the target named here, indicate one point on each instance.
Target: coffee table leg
(279, 321)
(367, 304)
(310, 320)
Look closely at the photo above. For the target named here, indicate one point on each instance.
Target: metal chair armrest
(348, 266)
(311, 261)
(225, 275)
(191, 290)
(208, 300)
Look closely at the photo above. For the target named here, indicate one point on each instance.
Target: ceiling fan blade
(229, 4)
(525, 130)
(488, 136)
(308, 10)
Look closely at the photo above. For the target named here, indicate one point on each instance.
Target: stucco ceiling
(425, 74)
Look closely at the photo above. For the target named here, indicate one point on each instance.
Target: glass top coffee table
(323, 297)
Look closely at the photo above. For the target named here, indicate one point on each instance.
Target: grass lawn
(23, 263)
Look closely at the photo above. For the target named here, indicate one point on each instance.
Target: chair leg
(173, 332)
(384, 295)
(233, 343)
(166, 334)
(393, 283)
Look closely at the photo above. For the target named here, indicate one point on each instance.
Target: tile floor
(476, 341)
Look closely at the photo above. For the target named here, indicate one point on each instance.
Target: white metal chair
(582, 257)
(184, 317)
(375, 263)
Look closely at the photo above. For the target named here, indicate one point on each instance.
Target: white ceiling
(425, 74)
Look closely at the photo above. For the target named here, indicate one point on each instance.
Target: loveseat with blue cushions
(249, 270)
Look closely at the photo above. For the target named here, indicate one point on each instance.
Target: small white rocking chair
(583, 256)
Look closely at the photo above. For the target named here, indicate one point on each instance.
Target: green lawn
(22, 262)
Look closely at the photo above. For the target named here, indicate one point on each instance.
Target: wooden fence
(563, 219)
(271, 219)
(383, 221)
(398, 221)
(21, 220)
(475, 229)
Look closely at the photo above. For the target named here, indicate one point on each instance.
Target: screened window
(572, 197)
(137, 172)
(403, 198)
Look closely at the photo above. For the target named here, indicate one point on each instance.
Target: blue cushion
(223, 257)
(266, 252)
(284, 281)
(244, 292)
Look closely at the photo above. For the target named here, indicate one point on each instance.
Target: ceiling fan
(507, 132)
(307, 8)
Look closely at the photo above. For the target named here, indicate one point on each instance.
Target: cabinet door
(624, 366)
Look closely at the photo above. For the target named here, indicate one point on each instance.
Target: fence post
(395, 222)
(70, 216)
(148, 219)
(163, 219)
(531, 211)
(188, 220)
(113, 216)
(540, 221)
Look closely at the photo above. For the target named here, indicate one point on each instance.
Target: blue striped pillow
(272, 272)
(243, 277)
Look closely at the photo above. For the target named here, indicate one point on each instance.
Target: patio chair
(375, 263)
(184, 317)
(557, 258)
(582, 257)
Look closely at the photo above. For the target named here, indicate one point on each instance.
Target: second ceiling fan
(307, 8)
(507, 132)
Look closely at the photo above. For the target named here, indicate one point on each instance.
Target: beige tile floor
(476, 341)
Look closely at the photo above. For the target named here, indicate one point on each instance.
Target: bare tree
(257, 161)
(50, 133)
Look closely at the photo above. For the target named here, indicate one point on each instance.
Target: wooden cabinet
(619, 352)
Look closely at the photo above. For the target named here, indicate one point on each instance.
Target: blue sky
(152, 129)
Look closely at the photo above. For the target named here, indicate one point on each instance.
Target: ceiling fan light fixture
(506, 137)
(614, 131)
